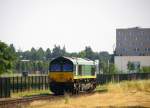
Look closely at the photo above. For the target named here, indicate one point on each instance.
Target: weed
(66, 98)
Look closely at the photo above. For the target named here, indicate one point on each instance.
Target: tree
(33, 54)
(89, 53)
(103, 67)
(48, 54)
(145, 69)
(74, 54)
(112, 69)
(7, 57)
(40, 54)
(104, 56)
(57, 51)
(63, 51)
(82, 54)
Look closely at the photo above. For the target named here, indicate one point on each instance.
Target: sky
(70, 23)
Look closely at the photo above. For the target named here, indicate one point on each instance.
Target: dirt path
(138, 99)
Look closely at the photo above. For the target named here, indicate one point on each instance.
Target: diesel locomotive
(71, 74)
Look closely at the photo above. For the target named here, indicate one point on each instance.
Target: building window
(142, 33)
(147, 49)
(130, 33)
(148, 37)
(125, 38)
(136, 38)
(124, 49)
(136, 49)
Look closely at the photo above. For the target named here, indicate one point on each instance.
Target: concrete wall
(122, 61)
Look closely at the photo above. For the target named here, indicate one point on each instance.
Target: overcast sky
(73, 23)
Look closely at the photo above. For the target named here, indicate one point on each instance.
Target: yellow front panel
(84, 77)
(61, 76)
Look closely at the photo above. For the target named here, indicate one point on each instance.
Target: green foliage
(104, 56)
(30, 93)
(74, 54)
(82, 54)
(57, 51)
(38, 59)
(133, 67)
(89, 53)
(33, 54)
(48, 54)
(103, 66)
(32, 66)
(112, 69)
(108, 68)
(130, 66)
(40, 54)
(145, 69)
(7, 57)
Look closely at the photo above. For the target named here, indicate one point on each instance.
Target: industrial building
(132, 46)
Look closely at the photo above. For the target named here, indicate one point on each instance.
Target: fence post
(39, 83)
(4, 87)
(42, 82)
(0, 87)
(17, 84)
(7, 90)
(21, 83)
(28, 83)
(32, 83)
(13, 84)
(46, 82)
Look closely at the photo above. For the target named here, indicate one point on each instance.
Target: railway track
(19, 102)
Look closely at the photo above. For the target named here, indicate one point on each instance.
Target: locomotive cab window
(67, 67)
(55, 67)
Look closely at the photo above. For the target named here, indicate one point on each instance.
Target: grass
(123, 94)
(66, 98)
(30, 93)
(126, 86)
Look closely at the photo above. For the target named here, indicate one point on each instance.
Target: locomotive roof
(80, 61)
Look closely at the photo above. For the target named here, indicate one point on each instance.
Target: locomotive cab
(61, 75)
(72, 74)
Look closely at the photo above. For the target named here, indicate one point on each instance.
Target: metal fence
(18, 84)
(4, 87)
(106, 78)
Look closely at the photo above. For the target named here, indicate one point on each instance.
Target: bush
(145, 69)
